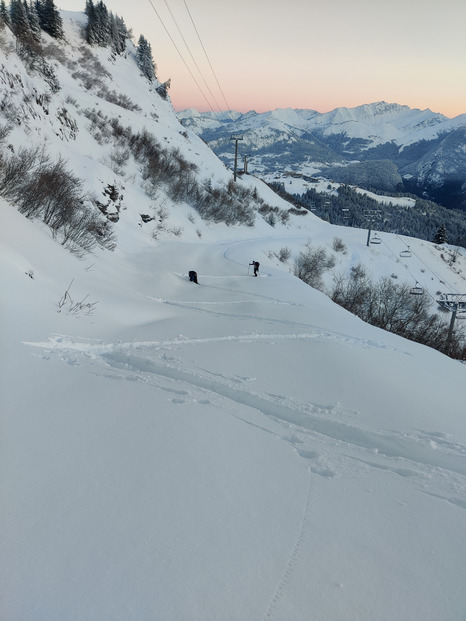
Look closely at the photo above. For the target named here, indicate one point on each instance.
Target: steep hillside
(122, 154)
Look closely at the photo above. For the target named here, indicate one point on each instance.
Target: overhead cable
(190, 53)
(208, 60)
(181, 55)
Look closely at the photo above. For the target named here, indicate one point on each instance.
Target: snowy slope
(242, 449)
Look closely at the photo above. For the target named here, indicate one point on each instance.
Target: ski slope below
(241, 449)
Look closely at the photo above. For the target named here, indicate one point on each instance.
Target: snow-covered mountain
(242, 449)
(427, 148)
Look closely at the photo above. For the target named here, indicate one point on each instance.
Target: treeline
(103, 28)
(348, 207)
(385, 303)
(27, 19)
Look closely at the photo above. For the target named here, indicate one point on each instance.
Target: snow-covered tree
(162, 90)
(440, 236)
(4, 15)
(102, 21)
(118, 34)
(33, 18)
(144, 58)
(50, 18)
(19, 20)
(91, 26)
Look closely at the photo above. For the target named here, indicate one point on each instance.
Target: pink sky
(319, 54)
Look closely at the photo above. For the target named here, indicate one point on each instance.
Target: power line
(208, 60)
(181, 55)
(190, 53)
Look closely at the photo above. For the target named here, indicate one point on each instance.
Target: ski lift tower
(236, 139)
(456, 304)
(371, 216)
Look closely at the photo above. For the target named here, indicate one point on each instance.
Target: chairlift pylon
(454, 302)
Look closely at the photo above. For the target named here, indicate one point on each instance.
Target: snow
(241, 449)
(378, 123)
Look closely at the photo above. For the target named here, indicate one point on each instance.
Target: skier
(256, 267)
(193, 276)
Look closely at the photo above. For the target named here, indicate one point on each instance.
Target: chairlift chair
(417, 290)
(461, 310)
(376, 240)
(405, 253)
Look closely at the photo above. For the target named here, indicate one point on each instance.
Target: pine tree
(91, 26)
(144, 58)
(33, 19)
(102, 24)
(440, 236)
(4, 15)
(162, 90)
(20, 23)
(118, 34)
(50, 18)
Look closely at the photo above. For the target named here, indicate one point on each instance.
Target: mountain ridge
(410, 138)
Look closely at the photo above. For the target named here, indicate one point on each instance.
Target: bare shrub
(50, 192)
(16, 168)
(120, 156)
(54, 51)
(176, 231)
(119, 99)
(168, 168)
(88, 80)
(73, 307)
(311, 265)
(284, 254)
(353, 290)
(339, 245)
(390, 306)
(92, 63)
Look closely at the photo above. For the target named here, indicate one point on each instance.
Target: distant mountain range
(379, 146)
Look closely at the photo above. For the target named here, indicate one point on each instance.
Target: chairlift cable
(181, 55)
(416, 282)
(208, 60)
(443, 280)
(190, 53)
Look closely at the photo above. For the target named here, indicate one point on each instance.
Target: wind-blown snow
(243, 449)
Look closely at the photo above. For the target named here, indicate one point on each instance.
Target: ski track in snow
(418, 456)
(295, 551)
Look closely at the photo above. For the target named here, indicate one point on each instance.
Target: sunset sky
(316, 54)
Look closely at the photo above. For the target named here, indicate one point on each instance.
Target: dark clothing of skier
(256, 267)
(193, 276)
